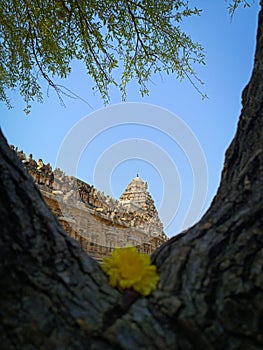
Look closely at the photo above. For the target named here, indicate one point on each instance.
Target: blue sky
(117, 151)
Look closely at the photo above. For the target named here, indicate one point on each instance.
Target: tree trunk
(210, 294)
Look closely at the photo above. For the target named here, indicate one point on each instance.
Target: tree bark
(210, 295)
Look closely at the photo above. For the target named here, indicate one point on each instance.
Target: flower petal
(127, 268)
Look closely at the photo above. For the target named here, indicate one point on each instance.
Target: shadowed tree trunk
(210, 294)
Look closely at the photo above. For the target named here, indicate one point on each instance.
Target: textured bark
(210, 294)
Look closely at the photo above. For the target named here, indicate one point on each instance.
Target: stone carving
(98, 221)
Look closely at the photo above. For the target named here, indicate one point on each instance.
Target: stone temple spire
(136, 198)
(136, 194)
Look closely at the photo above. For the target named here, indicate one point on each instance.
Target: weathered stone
(98, 222)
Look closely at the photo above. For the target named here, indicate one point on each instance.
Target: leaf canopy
(117, 40)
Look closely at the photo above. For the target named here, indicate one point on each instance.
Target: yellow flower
(127, 268)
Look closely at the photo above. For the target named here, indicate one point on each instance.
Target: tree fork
(210, 295)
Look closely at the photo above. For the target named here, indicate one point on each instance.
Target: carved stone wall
(100, 223)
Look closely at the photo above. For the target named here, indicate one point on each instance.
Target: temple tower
(137, 199)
